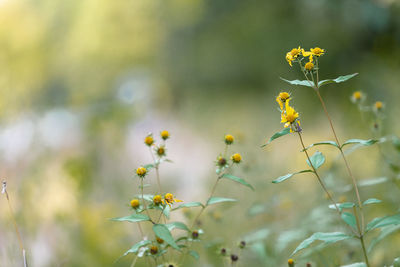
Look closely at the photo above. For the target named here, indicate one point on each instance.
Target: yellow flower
(169, 199)
(289, 58)
(378, 105)
(357, 96)
(295, 52)
(236, 158)
(290, 262)
(141, 171)
(317, 51)
(160, 151)
(309, 66)
(157, 199)
(149, 140)
(229, 139)
(282, 98)
(159, 240)
(135, 203)
(164, 135)
(306, 53)
(289, 117)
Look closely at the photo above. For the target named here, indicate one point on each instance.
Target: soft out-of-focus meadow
(83, 82)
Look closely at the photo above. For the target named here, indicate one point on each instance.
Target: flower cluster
(298, 54)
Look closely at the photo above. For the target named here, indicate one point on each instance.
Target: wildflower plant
(160, 246)
(350, 214)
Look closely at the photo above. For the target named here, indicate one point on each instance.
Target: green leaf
(238, 180)
(178, 225)
(145, 196)
(194, 254)
(345, 205)
(327, 238)
(371, 201)
(362, 142)
(189, 205)
(385, 231)
(349, 219)
(373, 181)
(331, 143)
(285, 131)
(135, 248)
(383, 221)
(133, 218)
(161, 231)
(339, 79)
(316, 160)
(298, 82)
(215, 200)
(166, 211)
(358, 264)
(287, 176)
(148, 166)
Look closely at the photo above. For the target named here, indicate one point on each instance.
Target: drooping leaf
(161, 231)
(316, 160)
(194, 254)
(287, 176)
(238, 180)
(383, 221)
(177, 225)
(385, 231)
(339, 79)
(135, 248)
(299, 82)
(133, 218)
(331, 143)
(371, 201)
(349, 219)
(189, 205)
(357, 264)
(166, 211)
(361, 142)
(285, 131)
(215, 200)
(324, 237)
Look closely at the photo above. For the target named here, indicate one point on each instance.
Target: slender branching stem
(156, 164)
(361, 237)
(144, 202)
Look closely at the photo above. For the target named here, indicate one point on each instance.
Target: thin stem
(157, 172)
(361, 237)
(134, 261)
(144, 202)
(344, 159)
(321, 182)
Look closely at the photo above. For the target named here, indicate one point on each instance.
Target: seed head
(159, 240)
(160, 151)
(223, 251)
(242, 244)
(153, 250)
(221, 161)
(234, 257)
(195, 234)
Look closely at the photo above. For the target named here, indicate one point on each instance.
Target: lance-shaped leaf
(178, 225)
(189, 205)
(327, 238)
(349, 219)
(331, 143)
(133, 218)
(316, 160)
(371, 201)
(238, 180)
(285, 131)
(287, 176)
(339, 79)
(215, 200)
(161, 231)
(373, 181)
(361, 142)
(357, 264)
(383, 221)
(135, 248)
(341, 206)
(299, 82)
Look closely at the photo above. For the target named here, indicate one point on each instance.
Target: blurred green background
(82, 82)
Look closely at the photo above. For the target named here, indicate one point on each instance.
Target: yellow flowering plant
(155, 210)
(351, 215)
